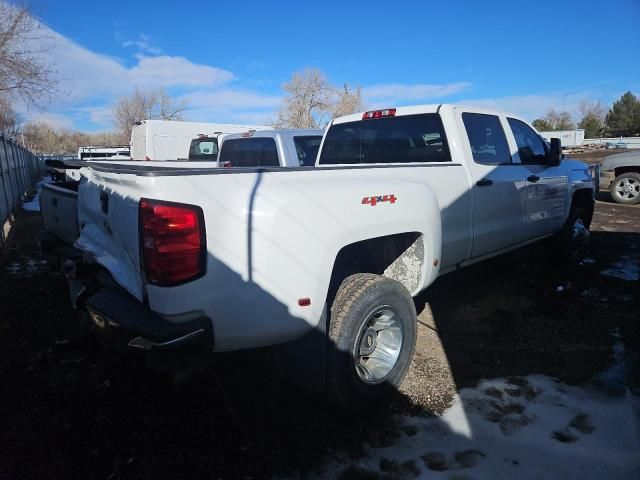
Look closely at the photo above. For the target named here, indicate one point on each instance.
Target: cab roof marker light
(387, 112)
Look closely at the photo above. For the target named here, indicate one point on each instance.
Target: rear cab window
(307, 147)
(488, 142)
(204, 148)
(402, 139)
(249, 152)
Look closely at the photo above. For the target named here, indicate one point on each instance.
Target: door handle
(533, 178)
(485, 182)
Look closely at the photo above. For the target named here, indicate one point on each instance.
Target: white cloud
(231, 105)
(86, 74)
(532, 106)
(54, 120)
(399, 93)
(175, 71)
(100, 115)
(142, 43)
(91, 81)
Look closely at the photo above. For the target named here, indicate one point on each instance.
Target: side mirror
(555, 153)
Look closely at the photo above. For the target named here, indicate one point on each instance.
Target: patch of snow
(559, 288)
(525, 428)
(587, 261)
(34, 204)
(626, 268)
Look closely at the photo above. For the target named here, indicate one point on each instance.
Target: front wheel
(625, 188)
(572, 241)
(372, 337)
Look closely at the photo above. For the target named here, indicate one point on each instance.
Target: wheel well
(398, 256)
(632, 168)
(584, 198)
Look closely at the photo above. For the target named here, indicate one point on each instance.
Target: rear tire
(372, 337)
(625, 188)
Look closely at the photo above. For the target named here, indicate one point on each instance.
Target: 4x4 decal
(373, 201)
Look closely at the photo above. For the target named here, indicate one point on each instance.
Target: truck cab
(270, 148)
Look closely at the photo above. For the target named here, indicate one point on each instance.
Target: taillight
(387, 112)
(173, 242)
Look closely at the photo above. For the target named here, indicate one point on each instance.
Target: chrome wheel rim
(628, 189)
(579, 236)
(379, 344)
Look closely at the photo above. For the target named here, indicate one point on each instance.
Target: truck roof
(418, 109)
(275, 132)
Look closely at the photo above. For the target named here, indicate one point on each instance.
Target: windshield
(203, 148)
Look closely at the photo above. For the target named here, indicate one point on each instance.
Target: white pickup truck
(326, 258)
(270, 148)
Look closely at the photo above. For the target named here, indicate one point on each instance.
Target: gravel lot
(68, 411)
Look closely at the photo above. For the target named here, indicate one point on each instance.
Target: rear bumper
(123, 322)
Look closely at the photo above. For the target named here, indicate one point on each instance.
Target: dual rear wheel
(372, 337)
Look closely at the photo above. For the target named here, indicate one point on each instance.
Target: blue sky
(229, 59)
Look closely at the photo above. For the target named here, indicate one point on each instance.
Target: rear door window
(249, 152)
(487, 139)
(307, 149)
(531, 148)
(404, 139)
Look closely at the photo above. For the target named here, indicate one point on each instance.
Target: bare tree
(311, 101)
(8, 118)
(41, 137)
(24, 72)
(307, 102)
(348, 101)
(593, 115)
(559, 120)
(169, 108)
(144, 105)
(594, 108)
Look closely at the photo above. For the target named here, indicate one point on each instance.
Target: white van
(170, 140)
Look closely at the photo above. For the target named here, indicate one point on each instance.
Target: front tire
(572, 241)
(625, 188)
(372, 337)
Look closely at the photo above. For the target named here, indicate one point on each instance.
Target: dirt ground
(68, 411)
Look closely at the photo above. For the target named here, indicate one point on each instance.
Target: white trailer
(170, 140)
(568, 138)
(114, 152)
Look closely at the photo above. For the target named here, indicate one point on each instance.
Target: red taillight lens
(388, 112)
(173, 242)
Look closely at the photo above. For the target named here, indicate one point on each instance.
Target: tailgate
(59, 208)
(108, 219)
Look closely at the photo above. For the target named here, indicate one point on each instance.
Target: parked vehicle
(323, 262)
(170, 140)
(271, 148)
(620, 174)
(117, 152)
(568, 138)
(58, 165)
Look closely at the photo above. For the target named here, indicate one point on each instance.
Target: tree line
(621, 120)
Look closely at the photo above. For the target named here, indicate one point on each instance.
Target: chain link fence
(19, 169)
